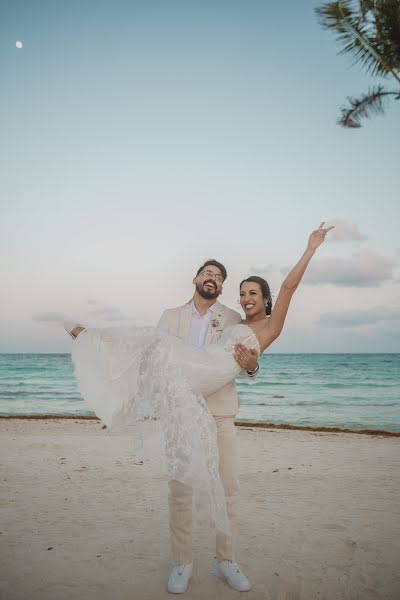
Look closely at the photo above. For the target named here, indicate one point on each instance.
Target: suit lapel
(185, 320)
(216, 324)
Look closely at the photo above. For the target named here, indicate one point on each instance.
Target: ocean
(356, 391)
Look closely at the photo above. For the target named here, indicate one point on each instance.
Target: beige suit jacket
(177, 321)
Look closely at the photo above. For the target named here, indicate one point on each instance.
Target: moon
(18, 44)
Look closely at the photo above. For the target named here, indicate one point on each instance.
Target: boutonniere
(215, 323)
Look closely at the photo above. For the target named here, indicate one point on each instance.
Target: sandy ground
(319, 517)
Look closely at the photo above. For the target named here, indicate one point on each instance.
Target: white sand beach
(319, 517)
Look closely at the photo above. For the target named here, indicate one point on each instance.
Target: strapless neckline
(252, 335)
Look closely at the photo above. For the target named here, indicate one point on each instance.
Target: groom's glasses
(212, 275)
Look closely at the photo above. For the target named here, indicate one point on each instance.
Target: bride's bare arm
(276, 321)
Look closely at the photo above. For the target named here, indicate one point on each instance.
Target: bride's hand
(246, 358)
(318, 236)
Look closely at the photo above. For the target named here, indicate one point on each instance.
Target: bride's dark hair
(266, 292)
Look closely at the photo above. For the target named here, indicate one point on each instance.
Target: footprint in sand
(351, 544)
(36, 446)
(334, 526)
(286, 591)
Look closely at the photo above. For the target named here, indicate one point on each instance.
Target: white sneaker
(179, 579)
(230, 572)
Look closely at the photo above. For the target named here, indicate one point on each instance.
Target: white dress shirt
(199, 326)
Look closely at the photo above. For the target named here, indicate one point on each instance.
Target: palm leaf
(373, 39)
(372, 103)
(387, 26)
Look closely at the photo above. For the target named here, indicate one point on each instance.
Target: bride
(154, 384)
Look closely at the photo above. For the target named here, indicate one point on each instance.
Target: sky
(139, 139)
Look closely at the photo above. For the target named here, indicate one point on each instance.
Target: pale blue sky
(140, 138)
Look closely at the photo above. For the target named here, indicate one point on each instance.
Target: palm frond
(367, 6)
(372, 103)
(387, 36)
(331, 15)
(365, 36)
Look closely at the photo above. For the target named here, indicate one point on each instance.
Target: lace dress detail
(153, 384)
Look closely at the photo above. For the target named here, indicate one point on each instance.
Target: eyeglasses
(212, 275)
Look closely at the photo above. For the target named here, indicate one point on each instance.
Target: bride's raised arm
(276, 321)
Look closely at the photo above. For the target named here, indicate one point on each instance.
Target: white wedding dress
(154, 384)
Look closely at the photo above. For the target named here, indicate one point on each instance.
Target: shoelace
(180, 569)
(234, 565)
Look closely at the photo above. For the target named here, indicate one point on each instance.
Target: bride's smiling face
(251, 299)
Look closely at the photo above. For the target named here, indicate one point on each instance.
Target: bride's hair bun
(268, 307)
(264, 290)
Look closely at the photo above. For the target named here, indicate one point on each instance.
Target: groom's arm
(169, 321)
(163, 323)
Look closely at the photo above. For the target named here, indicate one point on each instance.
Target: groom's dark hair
(214, 263)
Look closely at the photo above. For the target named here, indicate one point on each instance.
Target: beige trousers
(180, 500)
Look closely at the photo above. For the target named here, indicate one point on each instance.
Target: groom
(200, 322)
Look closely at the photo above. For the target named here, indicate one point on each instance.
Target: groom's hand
(246, 358)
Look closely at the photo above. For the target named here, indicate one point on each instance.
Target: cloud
(355, 318)
(110, 313)
(50, 317)
(107, 313)
(345, 232)
(265, 271)
(364, 269)
(92, 302)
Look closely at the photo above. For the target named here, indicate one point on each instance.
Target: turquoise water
(333, 390)
(354, 391)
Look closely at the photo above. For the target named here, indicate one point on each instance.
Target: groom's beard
(208, 294)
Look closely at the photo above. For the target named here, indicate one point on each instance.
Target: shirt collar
(209, 311)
